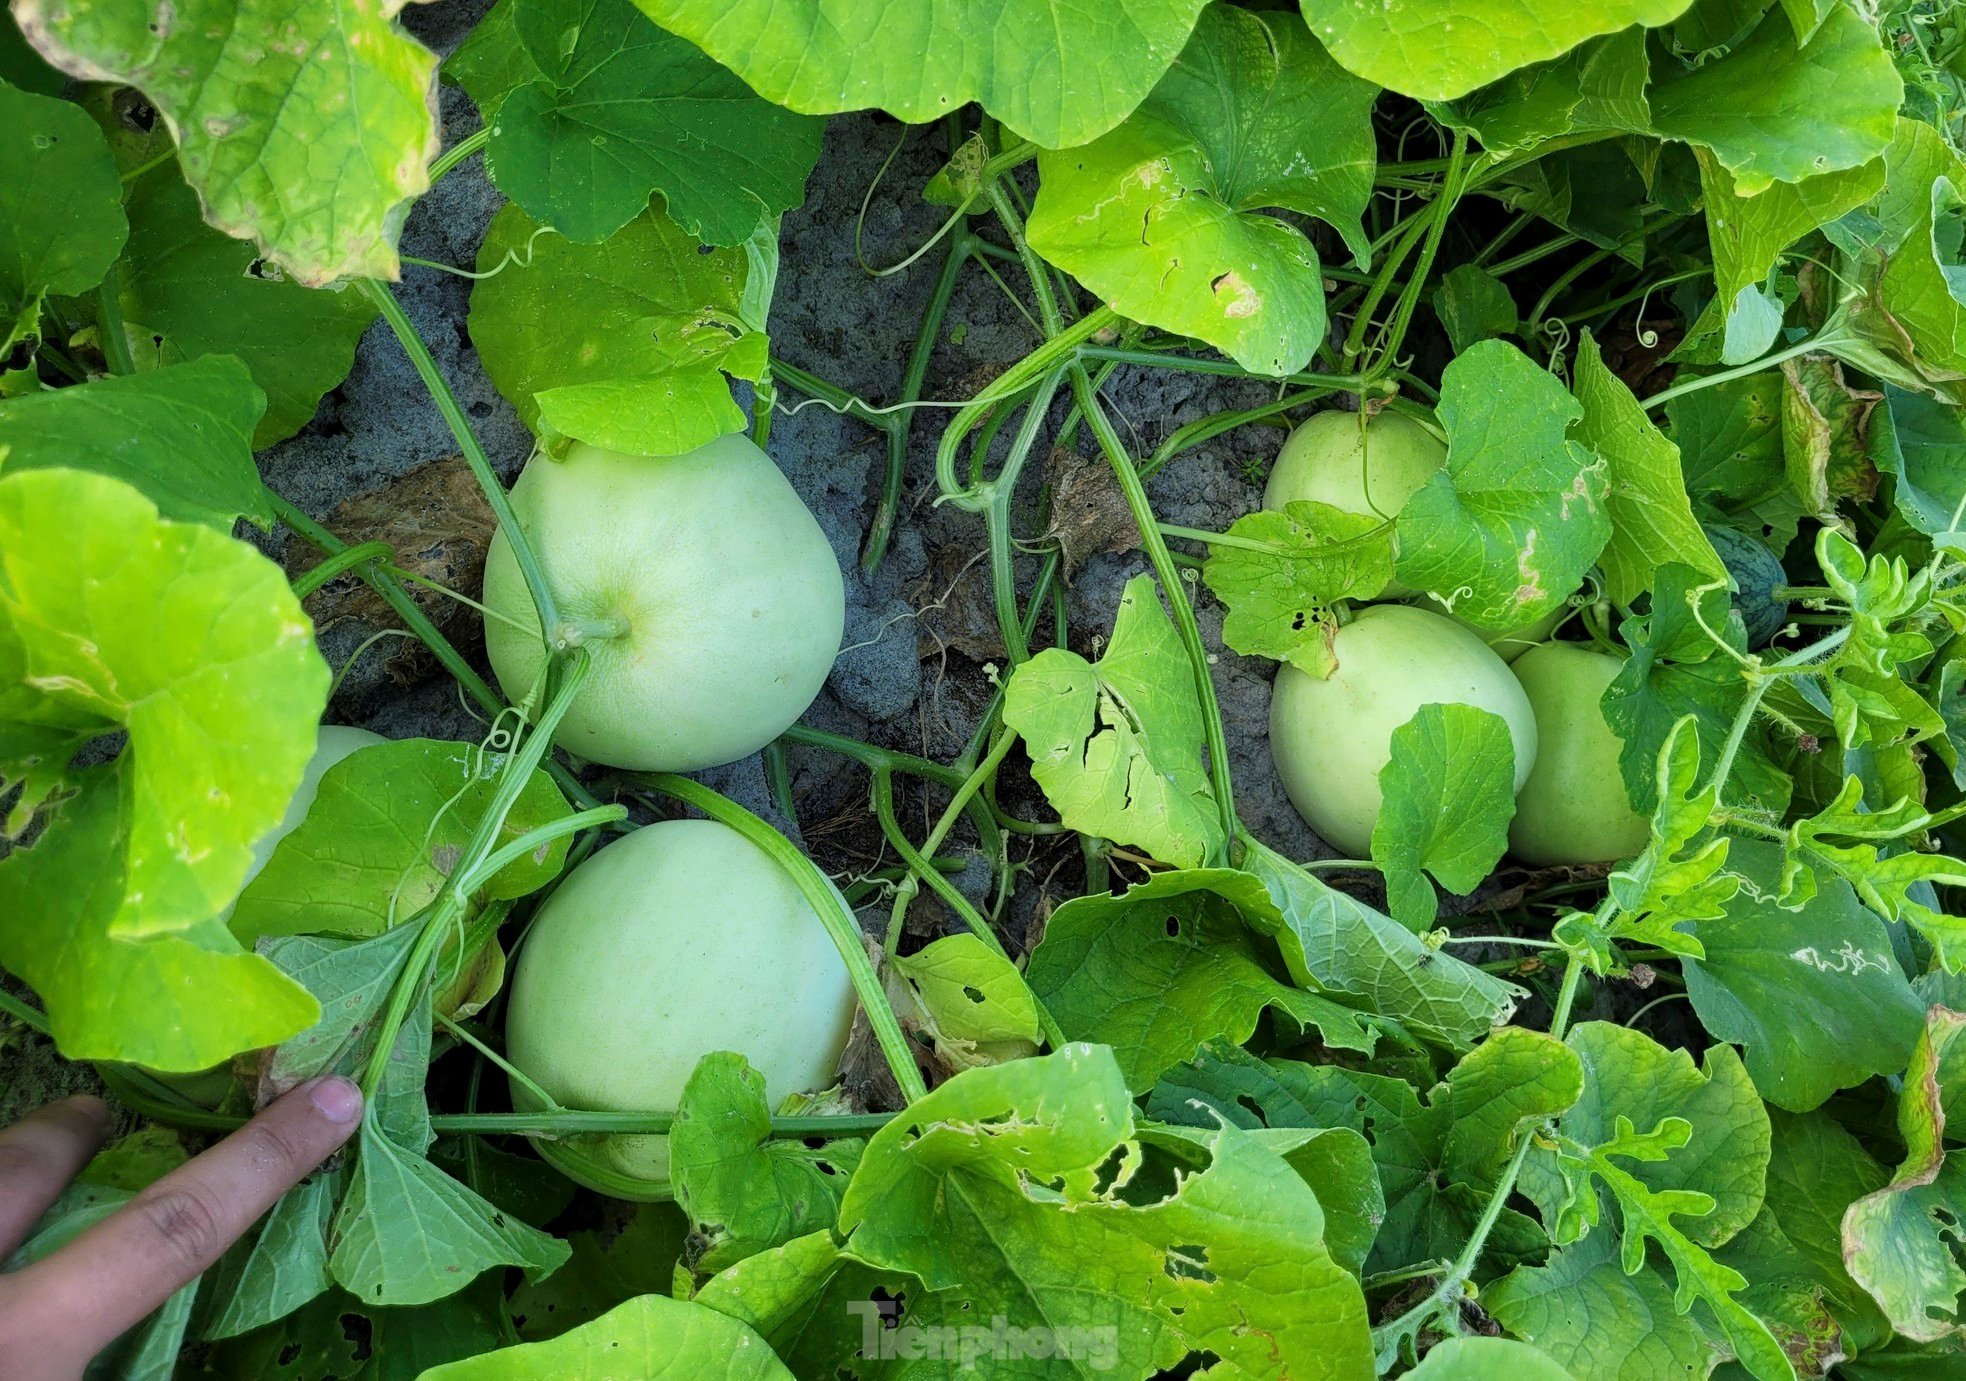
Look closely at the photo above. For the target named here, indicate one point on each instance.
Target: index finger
(118, 1271)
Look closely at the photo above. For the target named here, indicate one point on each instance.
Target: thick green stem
(346, 560)
(115, 340)
(458, 152)
(826, 904)
(474, 454)
(1175, 591)
(1698, 382)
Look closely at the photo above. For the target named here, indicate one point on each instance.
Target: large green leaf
(1167, 966)
(1772, 111)
(1628, 1074)
(188, 291)
(1279, 573)
(1747, 234)
(1486, 1359)
(592, 107)
(61, 214)
(1816, 1170)
(1921, 444)
(407, 1233)
(1335, 944)
(1651, 516)
(991, 1189)
(387, 828)
(1057, 72)
(652, 1338)
(623, 344)
(1815, 995)
(1166, 218)
(1675, 670)
(1506, 531)
(1446, 48)
(111, 617)
(182, 436)
(744, 1191)
(1116, 744)
(115, 998)
(1449, 794)
(305, 125)
(1899, 1243)
(1586, 1313)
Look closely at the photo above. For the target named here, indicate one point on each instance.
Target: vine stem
(1725, 376)
(826, 903)
(474, 454)
(458, 152)
(109, 325)
(1162, 561)
(346, 560)
(1491, 1213)
(512, 779)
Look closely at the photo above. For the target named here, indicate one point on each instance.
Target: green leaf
(1675, 670)
(188, 291)
(307, 127)
(1473, 305)
(1747, 234)
(1897, 885)
(634, 1250)
(61, 213)
(1167, 966)
(113, 617)
(599, 108)
(623, 344)
(819, 1309)
(1449, 794)
(1921, 287)
(288, 1263)
(1649, 1214)
(407, 1233)
(1772, 111)
(653, 1338)
(1506, 531)
(1025, 61)
(183, 436)
(1516, 1078)
(746, 1192)
(1730, 448)
(1652, 518)
(115, 998)
(1679, 877)
(990, 1190)
(388, 826)
(1166, 218)
(1334, 944)
(1921, 444)
(1584, 1312)
(1816, 1170)
(1628, 1074)
(1868, 698)
(1277, 574)
(1486, 1359)
(971, 993)
(352, 982)
(1815, 995)
(1226, 1084)
(1446, 49)
(1899, 1242)
(1117, 744)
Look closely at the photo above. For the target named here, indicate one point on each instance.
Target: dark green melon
(1758, 576)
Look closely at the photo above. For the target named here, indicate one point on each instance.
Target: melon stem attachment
(571, 633)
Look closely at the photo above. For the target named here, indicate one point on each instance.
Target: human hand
(59, 1312)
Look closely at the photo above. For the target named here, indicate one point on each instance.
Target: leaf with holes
(1168, 217)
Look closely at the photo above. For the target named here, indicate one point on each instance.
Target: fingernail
(338, 1099)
